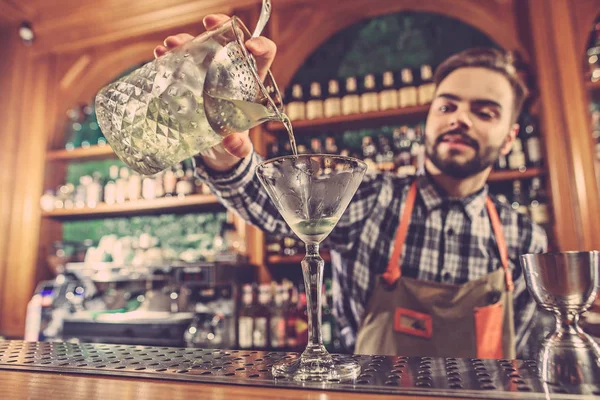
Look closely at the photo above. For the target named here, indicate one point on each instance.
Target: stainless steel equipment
(178, 304)
(412, 376)
(566, 284)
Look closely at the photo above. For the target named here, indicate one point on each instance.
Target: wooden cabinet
(80, 46)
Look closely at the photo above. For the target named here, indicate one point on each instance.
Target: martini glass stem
(312, 269)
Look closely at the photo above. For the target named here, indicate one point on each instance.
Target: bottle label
(295, 111)
(534, 150)
(259, 338)
(369, 102)
(245, 332)
(426, 93)
(277, 332)
(516, 160)
(540, 213)
(388, 99)
(350, 104)
(332, 107)
(408, 96)
(314, 109)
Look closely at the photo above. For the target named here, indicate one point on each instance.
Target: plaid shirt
(448, 240)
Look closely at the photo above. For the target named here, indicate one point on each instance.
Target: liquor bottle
(246, 319)
(519, 203)
(302, 149)
(289, 246)
(93, 193)
(185, 182)
(316, 146)
(402, 149)
(516, 158)
(369, 100)
(351, 100)
(159, 184)
(369, 151)
(532, 142)
(277, 323)
(407, 94)
(149, 188)
(290, 301)
(332, 106)
(73, 131)
(501, 163)
(330, 145)
(328, 322)
(47, 200)
(81, 191)
(88, 136)
(593, 53)
(134, 186)
(274, 245)
(418, 150)
(110, 188)
(538, 206)
(170, 180)
(122, 185)
(314, 106)
(296, 108)
(260, 334)
(385, 155)
(302, 319)
(426, 90)
(388, 97)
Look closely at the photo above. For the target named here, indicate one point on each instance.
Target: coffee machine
(176, 304)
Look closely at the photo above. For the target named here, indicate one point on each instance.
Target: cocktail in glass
(312, 192)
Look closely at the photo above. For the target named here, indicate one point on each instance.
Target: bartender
(425, 266)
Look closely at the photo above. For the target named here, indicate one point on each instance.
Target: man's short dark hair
(488, 58)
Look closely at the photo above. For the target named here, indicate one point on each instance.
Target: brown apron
(411, 317)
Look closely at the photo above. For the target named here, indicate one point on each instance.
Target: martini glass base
(316, 365)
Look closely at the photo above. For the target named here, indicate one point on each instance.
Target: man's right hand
(236, 146)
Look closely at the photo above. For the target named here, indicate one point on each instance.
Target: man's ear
(510, 140)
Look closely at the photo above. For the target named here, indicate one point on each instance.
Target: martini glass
(312, 192)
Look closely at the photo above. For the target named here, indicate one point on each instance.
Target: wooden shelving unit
(497, 176)
(355, 121)
(81, 154)
(593, 87)
(295, 259)
(141, 207)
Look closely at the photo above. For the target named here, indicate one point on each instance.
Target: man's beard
(482, 159)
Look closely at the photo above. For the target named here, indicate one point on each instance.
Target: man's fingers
(159, 51)
(264, 51)
(238, 144)
(177, 40)
(212, 20)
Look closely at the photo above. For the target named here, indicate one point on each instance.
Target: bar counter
(58, 370)
(36, 385)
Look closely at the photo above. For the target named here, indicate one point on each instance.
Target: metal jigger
(565, 284)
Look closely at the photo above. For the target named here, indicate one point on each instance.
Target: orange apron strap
(502, 247)
(392, 273)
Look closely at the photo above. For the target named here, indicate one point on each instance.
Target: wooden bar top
(17, 385)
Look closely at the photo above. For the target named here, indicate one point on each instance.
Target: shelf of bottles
(273, 317)
(592, 76)
(123, 192)
(397, 148)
